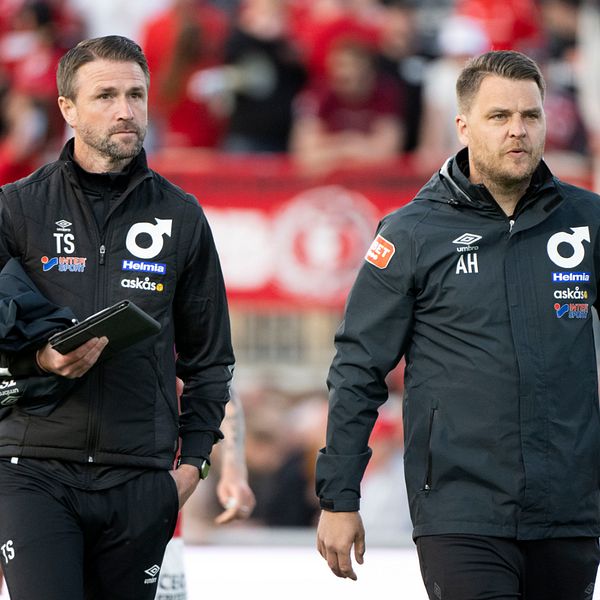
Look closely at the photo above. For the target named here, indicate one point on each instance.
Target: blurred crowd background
(321, 87)
(331, 82)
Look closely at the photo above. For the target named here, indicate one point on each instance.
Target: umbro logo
(153, 571)
(63, 224)
(466, 239)
(467, 260)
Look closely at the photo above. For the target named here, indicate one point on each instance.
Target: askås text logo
(145, 284)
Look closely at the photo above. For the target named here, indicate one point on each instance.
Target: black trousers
(62, 543)
(468, 567)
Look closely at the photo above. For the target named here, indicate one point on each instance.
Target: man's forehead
(504, 92)
(111, 73)
(503, 85)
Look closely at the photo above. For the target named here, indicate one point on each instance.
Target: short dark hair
(110, 47)
(503, 63)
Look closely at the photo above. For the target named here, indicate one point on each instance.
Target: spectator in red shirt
(319, 24)
(353, 119)
(178, 42)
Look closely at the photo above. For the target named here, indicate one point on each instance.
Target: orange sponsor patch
(380, 253)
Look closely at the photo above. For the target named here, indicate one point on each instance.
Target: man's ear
(462, 129)
(68, 110)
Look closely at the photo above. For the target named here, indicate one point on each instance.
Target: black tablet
(123, 324)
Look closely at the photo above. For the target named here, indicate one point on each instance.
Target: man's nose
(124, 110)
(517, 126)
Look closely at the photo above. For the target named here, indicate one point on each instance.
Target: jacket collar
(136, 172)
(451, 185)
(137, 166)
(458, 171)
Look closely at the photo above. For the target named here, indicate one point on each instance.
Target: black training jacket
(156, 249)
(493, 316)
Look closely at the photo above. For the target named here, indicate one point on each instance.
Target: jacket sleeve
(369, 344)
(205, 357)
(8, 244)
(22, 363)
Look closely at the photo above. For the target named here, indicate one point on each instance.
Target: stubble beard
(112, 149)
(501, 177)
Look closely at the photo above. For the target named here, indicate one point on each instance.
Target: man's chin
(514, 179)
(124, 151)
(520, 171)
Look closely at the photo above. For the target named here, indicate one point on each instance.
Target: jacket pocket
(429, 461)
(166, 414)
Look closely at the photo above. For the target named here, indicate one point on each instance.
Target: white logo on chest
(574, 240)
(156, 233)
(467, 263)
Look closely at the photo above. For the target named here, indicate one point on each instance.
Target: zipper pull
(102, 253)
(510, 224)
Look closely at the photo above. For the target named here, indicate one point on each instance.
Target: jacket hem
(507, 531)
(101, 458)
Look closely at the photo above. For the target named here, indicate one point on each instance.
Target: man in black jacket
(88, 497)
(485, 283)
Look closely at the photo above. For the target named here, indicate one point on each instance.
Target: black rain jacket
(493, 316)
(155, 248)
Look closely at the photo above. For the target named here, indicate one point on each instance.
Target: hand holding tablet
(123, 324)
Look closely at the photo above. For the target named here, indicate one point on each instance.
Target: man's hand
(234, 494)
(74, 364)
(336, 534)
(186, 479)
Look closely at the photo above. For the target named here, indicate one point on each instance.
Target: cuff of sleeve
(24, 364)
(338, 480)
(197, 444)
(340, 505)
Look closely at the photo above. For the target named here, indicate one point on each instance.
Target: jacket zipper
(94, 423)
(428, 464)
(99, 302)
(93, 401)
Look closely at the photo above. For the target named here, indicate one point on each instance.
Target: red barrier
(286, 239)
